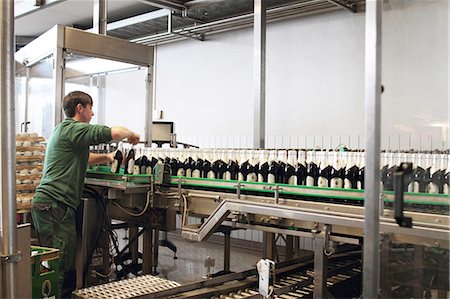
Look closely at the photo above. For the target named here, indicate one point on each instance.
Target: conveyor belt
(416, 202)
(300, 282)
(344, 278)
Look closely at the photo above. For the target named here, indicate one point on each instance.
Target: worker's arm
(95, 158)
(119, 133)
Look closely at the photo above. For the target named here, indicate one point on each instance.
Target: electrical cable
(183, 218)
(92, 193)
(105, 226)
(135, 214)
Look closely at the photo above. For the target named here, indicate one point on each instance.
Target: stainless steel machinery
(332, 218)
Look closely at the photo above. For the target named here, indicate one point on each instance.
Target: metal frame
(8, 228)
(100, 16)
(259, 74)
(341, 223)
(165, 4)
(371, 261)
(60, 41)
(422, 234)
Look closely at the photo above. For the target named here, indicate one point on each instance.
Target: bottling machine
(414, 226)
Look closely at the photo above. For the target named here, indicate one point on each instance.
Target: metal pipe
(149, 93)
(169, 23)
(8, 227)
(198, 3)
(59, 74)
(259, 74)
(100, 17)
(371, 262)
(167, 38)
(348, 7)
(27, 88)
(273, 14)
(165, 4)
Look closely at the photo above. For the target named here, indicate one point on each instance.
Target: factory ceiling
(160, 21)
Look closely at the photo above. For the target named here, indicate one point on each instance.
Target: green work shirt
(66, 160)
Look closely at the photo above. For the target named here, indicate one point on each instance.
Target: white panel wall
(315, 81)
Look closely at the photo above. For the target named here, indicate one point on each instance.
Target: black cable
(104, 227)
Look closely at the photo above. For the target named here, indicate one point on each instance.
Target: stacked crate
(30, 153)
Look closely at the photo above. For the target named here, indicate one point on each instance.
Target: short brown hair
(72, 99)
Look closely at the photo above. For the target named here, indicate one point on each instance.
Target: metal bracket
(13, 258)
(180, 181)
(238, 189)
(196, 36)
(399, 174)
(344, 4)
(328, 244)
(276, 194)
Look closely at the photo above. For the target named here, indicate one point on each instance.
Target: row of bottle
(331, 169)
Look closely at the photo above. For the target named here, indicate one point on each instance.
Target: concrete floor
(189, 266)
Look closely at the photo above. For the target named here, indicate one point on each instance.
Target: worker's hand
(134, 139)
(110, 156)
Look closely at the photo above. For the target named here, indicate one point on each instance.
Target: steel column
(419, 256)
(147, 250)
(59, 56)
(385, 253)
(227, 251)
(149, 102)
(27, 89)
(371, 262)
(99, 84)
(320, 268)
(289, 247)
(155, 250)
(259, 73)
(100, 17)
(268, 245)
(8, 228)
(132, 233)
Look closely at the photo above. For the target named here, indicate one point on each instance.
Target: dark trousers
(55, 226)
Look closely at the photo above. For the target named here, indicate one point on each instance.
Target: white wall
(315, 81)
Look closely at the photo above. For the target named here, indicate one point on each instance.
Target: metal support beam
(351, 7)
(268, 245)
(155, 250)
(27, 96)
(289, 247)
(8, 228)
(153, 15)
(149, 93)
(132, 233)
(165, 4)
(100, 17)
(259, 73)
(227, 251)
(386, 283)
(371, 262)
(147, 248)
(419, 263)
(320, 268)
(24, 8)
(99, 82)
(59, 56)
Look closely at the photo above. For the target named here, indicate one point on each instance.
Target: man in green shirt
(59, 192)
